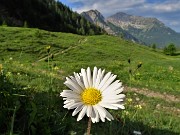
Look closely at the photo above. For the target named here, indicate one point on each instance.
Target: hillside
(49, 15)
(28, 45)
(148, 30)
(33, 67)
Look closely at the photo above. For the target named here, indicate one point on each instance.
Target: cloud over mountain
(167, 11)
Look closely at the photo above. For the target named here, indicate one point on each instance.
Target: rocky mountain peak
(93, 16)
(149, 30)
(135, 28)
(125, 20)
(97, 18)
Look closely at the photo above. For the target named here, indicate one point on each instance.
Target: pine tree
(154, 47)
(170, 49)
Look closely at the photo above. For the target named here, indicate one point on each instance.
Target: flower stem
(12, 122)
(89, 126)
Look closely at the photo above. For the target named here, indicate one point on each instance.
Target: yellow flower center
(91, 96)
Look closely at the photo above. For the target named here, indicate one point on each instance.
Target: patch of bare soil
(164, 96)
(149, 93)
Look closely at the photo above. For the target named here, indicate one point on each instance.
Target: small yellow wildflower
(139, 107)
(56, 68)
(8, 74)
(129, 100)
(48, 47)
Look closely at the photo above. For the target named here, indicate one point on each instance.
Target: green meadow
(34, 64)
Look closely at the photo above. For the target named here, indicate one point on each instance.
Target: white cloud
(175, 23)
(107, 7)
(167, 11)
(166, 6)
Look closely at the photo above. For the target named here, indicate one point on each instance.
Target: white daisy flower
(90, 94)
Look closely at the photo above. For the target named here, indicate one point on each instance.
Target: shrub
(170, 49)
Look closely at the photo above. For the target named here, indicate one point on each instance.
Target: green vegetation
(154, 47)
(49, 15)
(170, 49)
(34, 64)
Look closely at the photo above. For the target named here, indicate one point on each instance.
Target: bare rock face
(139, 29)
(125, 21)
(149, 30)
(97, 18)
(94, 16)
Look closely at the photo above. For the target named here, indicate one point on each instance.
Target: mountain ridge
(97, 18)
(147, 30)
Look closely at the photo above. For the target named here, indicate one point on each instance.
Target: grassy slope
(28, 46)
(21, 51)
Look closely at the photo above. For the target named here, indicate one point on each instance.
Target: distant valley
(139, 29)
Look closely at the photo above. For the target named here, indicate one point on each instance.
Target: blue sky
(167, 11)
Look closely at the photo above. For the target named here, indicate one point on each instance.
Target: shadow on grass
(174, 54)
(117, 128)
(42, 113)
(177, 54)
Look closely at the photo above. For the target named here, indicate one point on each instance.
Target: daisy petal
(96, 118)
(108, 82)
(119, 90)
(71, 87)
(79, 81)
(98, 78)
(119, 106)
(89, 77)
(82, 113)
(107, 105)
(106, 77)
(109, 116)
(74, 105)
(85, 79)
(79, 108)
(100, 110)
(94, 76)
(93, 114)
(89, 111)
(74, 84)
(68, 101)
(114, 86)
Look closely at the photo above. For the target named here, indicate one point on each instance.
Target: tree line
(49, 15)
(170, 49)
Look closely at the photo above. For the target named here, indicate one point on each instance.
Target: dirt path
(164, 96)
(69, 48)
(149, 93)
